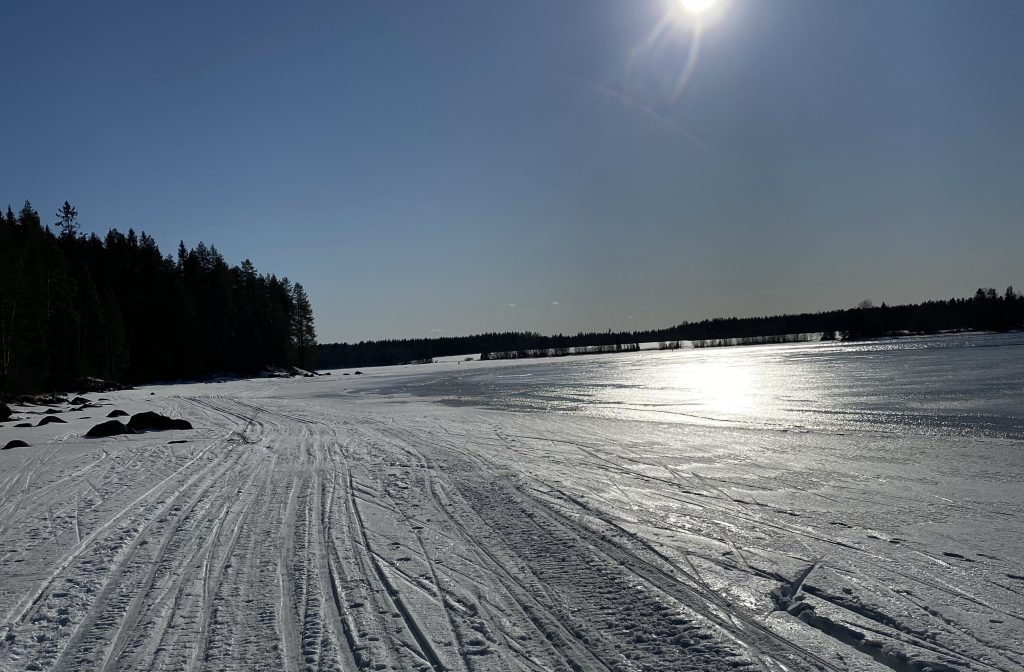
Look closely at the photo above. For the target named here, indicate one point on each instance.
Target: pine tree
(67, 220)
(115, 354)
(303, 328)
(76, 306)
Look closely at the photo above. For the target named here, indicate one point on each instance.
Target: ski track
(313, 535)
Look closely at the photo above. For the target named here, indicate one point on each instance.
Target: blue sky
(422, 166)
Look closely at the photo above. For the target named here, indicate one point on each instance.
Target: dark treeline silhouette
(747, 340)
(504, 345)
(987, 310)
(74, 307)
(561, 351)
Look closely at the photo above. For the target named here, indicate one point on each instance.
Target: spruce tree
(303, 328)
(67, 220)
(74, 306)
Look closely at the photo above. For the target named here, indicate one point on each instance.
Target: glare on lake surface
(727, 386)
(963, 385)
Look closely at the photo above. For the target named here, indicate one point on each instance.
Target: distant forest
(987, 310)
(74, 307)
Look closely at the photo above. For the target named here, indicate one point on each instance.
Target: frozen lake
(961, 385)
(852, 508)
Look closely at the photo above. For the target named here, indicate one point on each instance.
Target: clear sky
(553, 165)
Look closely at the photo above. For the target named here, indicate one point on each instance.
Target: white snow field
(806, 507)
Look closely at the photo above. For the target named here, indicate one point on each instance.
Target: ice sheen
(968, 385)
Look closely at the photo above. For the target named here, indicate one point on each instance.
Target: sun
(697, 7)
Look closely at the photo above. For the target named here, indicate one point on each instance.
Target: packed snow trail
(297, 530)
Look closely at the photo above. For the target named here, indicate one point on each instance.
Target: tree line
(747, 340)
(987, 310)
(75, 307)
(407, 351)
(561, 351)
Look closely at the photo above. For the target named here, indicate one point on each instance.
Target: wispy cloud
(510, 305)
(554, 303)
(436, 331)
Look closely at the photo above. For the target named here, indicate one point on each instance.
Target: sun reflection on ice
(723, 388)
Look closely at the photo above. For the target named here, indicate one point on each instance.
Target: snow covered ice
(801, 507)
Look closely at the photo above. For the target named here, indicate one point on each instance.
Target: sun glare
(697, 6)
(725, 389)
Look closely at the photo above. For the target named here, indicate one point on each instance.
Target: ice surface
(811, 507)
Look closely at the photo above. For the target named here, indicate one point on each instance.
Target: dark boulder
(108, 428)
(117, 413)
(51, 411)
(50, 419)
(24, 424)
(5, 411)
(17, 443)
(154, 422)
(358, 373)
(79, 401)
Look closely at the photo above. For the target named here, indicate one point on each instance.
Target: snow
(386, 522)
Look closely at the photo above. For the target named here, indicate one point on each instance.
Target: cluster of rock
(290, 372)
(147, 421)
(77, 404)
(99, 385)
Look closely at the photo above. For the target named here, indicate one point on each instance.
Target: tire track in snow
(71, 597)
(173, 529)
(505, 512)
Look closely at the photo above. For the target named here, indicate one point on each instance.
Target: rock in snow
(116, 413)
(50, 419)
(17, 443)
(108, 428)
(149, 421)
(5, 412)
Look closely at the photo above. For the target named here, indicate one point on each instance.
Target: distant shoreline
(986, 310)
